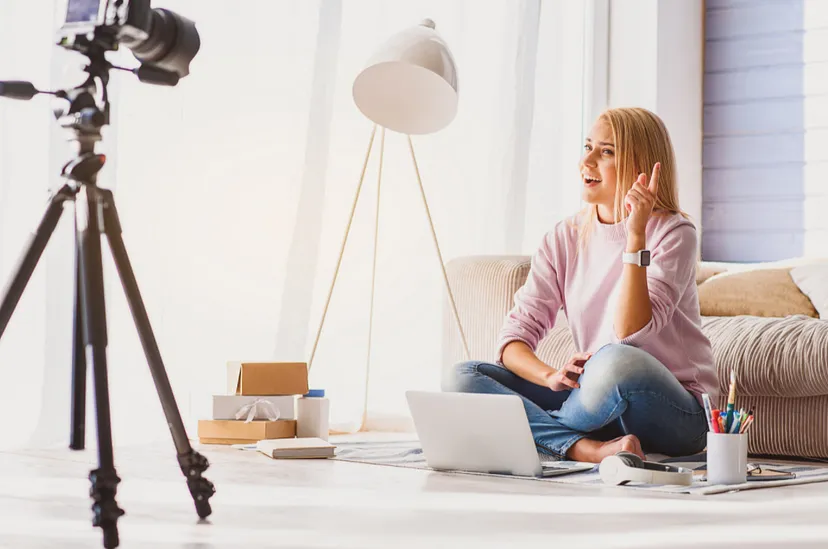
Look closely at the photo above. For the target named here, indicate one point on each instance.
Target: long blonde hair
(641, 139)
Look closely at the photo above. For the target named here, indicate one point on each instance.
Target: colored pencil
(731, 401)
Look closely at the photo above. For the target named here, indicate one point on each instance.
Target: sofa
(781, 355)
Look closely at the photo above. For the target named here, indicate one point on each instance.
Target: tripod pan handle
(17, 89)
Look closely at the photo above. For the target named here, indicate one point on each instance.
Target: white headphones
(626, 467)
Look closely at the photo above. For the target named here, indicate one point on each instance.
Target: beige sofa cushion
(764, 292)
(557, 347)
(704, 270)
(786, 357)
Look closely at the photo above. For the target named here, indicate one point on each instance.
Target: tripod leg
(373, 283)
(437, 246)
(77, 439)
(191, 462)
(342, 248)
(93, 314)
(34, 249)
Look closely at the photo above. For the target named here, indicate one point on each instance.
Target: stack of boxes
(267, 389)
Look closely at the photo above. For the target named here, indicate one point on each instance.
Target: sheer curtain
(234, 189)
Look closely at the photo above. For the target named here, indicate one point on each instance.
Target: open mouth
(591, 181)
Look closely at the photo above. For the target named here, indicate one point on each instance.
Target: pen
(748, 415)
(747, 425)
(707, 411)
(731, 400)
(737, 421)
(715, 422)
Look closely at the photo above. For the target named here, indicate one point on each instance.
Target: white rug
(408, 453)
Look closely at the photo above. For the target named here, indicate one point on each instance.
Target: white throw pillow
(812, 280)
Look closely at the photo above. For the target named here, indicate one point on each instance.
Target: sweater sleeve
(537, 302)
(672, 265)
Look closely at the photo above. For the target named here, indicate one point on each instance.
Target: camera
(159, 38)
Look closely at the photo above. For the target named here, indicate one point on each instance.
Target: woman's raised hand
(640, 201)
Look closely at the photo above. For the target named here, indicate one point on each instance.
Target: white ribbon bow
(254, 408)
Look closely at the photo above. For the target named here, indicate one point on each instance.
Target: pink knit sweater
(586, 284)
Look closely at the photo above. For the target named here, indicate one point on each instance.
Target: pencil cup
(726, 458)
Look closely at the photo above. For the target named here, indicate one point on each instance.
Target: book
(295, 448)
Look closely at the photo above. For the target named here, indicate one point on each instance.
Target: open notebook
(296, 448)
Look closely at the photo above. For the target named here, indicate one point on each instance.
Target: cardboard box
(226, 406)
(267, 378)
(216, 431)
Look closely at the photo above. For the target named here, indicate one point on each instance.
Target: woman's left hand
(640, 200)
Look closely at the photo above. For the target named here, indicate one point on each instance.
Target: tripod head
(84, 109)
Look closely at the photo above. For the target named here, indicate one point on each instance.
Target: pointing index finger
(653, 186)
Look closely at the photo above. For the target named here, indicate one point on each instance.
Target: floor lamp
(409, 86)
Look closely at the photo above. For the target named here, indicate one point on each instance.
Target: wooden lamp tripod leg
(342, 248)
(373, 279)
(437, 247)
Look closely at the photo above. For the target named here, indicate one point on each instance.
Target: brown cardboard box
(218, 431)
(267, 378)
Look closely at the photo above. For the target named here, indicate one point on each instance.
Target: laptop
(481, 433)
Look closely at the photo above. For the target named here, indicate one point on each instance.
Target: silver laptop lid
(474, 432)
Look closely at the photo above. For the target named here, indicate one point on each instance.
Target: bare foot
(593, 451)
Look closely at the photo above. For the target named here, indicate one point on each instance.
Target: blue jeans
(624, 390)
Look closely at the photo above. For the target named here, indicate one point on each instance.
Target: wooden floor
(261, 503)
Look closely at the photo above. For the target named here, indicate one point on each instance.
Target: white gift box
(226, 406)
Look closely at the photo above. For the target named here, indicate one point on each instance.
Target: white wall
(655, 62)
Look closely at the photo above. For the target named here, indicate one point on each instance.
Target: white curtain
(234, 189)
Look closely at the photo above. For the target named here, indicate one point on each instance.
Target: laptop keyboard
(562, 467)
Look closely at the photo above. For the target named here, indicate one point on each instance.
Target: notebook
(284, 448)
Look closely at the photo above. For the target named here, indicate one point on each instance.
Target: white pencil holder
(726, 458)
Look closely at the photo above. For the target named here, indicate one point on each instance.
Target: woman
(643, 362)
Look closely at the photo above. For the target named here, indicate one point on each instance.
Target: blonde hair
(641, 139)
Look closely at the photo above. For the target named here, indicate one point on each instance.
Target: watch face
(645, 257)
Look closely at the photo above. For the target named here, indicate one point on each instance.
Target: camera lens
(172, 42)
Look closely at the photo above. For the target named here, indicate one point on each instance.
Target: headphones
(626, 467)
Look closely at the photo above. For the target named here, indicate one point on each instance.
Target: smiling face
(598, 170)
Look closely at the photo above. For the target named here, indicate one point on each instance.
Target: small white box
(226, 406)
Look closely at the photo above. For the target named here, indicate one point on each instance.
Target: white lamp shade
(410, 83)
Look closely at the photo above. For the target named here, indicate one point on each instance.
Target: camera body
(159, 38)
(104, 22)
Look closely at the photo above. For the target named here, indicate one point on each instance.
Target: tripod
(84, 110)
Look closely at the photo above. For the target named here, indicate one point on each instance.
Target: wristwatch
(640, 258)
